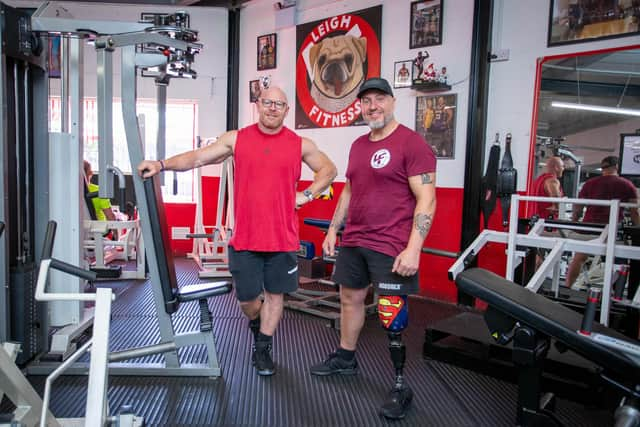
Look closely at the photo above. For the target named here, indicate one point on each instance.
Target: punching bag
(490, 182)
(507, 181)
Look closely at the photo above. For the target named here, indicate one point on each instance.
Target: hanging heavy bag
(488, 190)
(507, 181)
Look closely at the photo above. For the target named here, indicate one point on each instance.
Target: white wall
(259, 18)
(521, 27)
(600, 139)
(209, 89)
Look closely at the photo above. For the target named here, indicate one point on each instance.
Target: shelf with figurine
(427, 77)
(429, 86)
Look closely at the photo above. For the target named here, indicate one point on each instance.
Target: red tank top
(541, 208)
(266, 173)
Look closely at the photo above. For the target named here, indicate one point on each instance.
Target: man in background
(608, 186)
(548, 185)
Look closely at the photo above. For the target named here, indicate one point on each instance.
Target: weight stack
(26, 325)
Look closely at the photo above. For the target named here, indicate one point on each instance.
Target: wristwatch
(308, 194)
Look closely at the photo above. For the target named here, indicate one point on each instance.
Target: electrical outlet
(180, 233)
(500, 55)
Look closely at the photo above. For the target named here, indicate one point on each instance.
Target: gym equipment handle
(47, 248)
(73, 270)
(440, 252)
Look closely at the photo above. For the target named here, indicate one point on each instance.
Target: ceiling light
(598, 108)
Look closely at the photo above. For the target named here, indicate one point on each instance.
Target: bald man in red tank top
(262, 252)
(548, 185)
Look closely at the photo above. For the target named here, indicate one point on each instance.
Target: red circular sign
(340, 24)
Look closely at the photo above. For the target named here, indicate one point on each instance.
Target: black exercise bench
(530, 320)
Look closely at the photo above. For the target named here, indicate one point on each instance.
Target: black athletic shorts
(253, 272)
(357, 267)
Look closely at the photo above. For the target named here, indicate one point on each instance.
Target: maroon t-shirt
(606, 187)
(381, 208)
(541, 208)
(266, 172)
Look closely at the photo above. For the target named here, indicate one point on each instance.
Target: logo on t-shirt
(380, 158)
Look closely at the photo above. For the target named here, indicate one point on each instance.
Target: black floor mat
(445, 395)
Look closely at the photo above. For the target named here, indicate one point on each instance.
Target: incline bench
(531, 320)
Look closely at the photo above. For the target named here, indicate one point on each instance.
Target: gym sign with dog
(335, 56)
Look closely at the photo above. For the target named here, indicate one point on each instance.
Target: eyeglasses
(267, 103)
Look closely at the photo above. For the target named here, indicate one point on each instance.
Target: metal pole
(104, 72)
(161, 138)
(18, 189)
(27, 170)
(64, 84)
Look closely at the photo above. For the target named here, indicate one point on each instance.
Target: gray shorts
(253, 272)
(357, 267)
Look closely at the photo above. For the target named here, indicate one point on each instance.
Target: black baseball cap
(609, 162)
(375, 83)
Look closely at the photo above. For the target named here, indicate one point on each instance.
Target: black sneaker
(397, 403)
(334, 364)
(261, 359)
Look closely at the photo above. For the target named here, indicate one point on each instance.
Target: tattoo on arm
(423, 223)
(426, 179)
(337, 222)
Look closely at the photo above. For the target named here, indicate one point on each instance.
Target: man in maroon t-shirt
(386, 207)
(262, 252)
(608, 186)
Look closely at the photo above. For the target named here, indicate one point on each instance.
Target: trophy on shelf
(427, 75)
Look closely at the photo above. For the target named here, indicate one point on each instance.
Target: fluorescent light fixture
(598, 108)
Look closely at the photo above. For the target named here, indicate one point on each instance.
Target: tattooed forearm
(423, 223)
(426, 179)
(338, 222)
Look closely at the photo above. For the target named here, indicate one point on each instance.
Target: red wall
(445, 233)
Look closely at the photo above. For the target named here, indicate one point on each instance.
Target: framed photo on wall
(436, 122)
(581, 21)
(629, 158)
(267, 51)
(402, 74)
(254, 90)
(426, 23)
(54, 56)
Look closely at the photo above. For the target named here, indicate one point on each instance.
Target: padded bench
(531, 319)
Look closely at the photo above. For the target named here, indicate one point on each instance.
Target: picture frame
(436, 122)
(402, 71)
(254, 90)
(266, 54)
(581, 22)
(426, 23)
(629, 156)
(53, 58)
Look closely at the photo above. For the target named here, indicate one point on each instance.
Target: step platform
(111, 272)
(464, 340)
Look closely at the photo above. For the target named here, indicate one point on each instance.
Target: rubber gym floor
(445, 395)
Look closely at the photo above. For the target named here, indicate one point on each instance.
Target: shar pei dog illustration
(338, 71)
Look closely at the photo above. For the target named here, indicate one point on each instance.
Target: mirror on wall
(585, 101)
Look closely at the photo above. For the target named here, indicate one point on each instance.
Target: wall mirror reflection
(585, 102)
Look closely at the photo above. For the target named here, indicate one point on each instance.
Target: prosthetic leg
(394, 316)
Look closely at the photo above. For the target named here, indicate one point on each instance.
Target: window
(180, 136)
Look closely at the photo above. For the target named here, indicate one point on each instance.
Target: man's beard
(379, 124)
